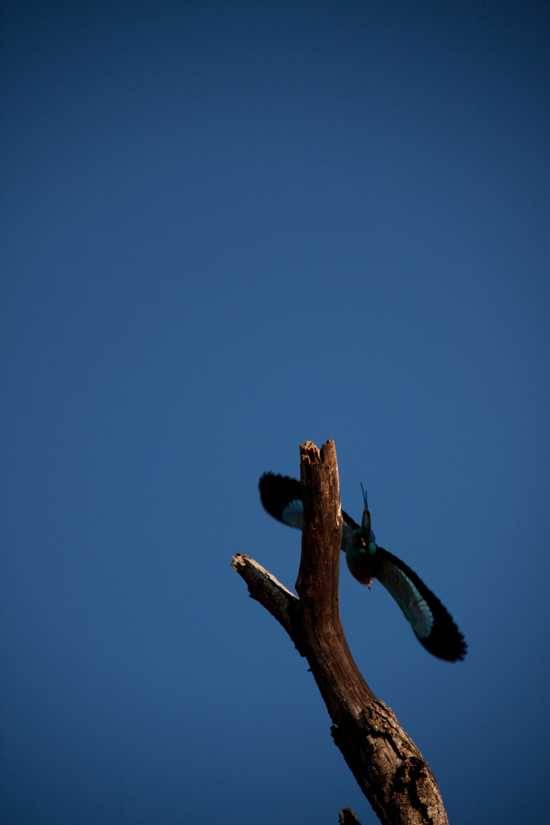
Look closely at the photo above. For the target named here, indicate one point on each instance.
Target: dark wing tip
(445, 641)
(277, 491)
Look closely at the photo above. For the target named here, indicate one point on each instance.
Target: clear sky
(229, 228)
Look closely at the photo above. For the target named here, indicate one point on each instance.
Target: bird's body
(432, 624)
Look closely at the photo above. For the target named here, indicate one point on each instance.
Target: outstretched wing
(430, 620)
(283, 498)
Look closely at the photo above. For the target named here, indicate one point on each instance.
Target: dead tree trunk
(386, 763)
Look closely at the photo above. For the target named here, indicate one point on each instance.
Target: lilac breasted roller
(429, 619)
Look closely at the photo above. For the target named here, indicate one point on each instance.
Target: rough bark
(387, 765)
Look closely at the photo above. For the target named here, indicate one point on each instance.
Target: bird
(283, 498)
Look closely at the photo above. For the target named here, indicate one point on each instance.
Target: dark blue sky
(229, 229)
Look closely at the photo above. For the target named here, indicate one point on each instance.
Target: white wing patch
(414, 607)
(293, 514)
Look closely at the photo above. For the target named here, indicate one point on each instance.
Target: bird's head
(365, 534)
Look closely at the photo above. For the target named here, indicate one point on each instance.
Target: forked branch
(386, 763)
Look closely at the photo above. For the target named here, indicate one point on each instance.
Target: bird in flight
(431, 622)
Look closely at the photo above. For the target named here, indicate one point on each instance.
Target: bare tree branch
(266, 589)
(386, 763)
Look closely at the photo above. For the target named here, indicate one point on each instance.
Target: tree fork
(389, 768)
